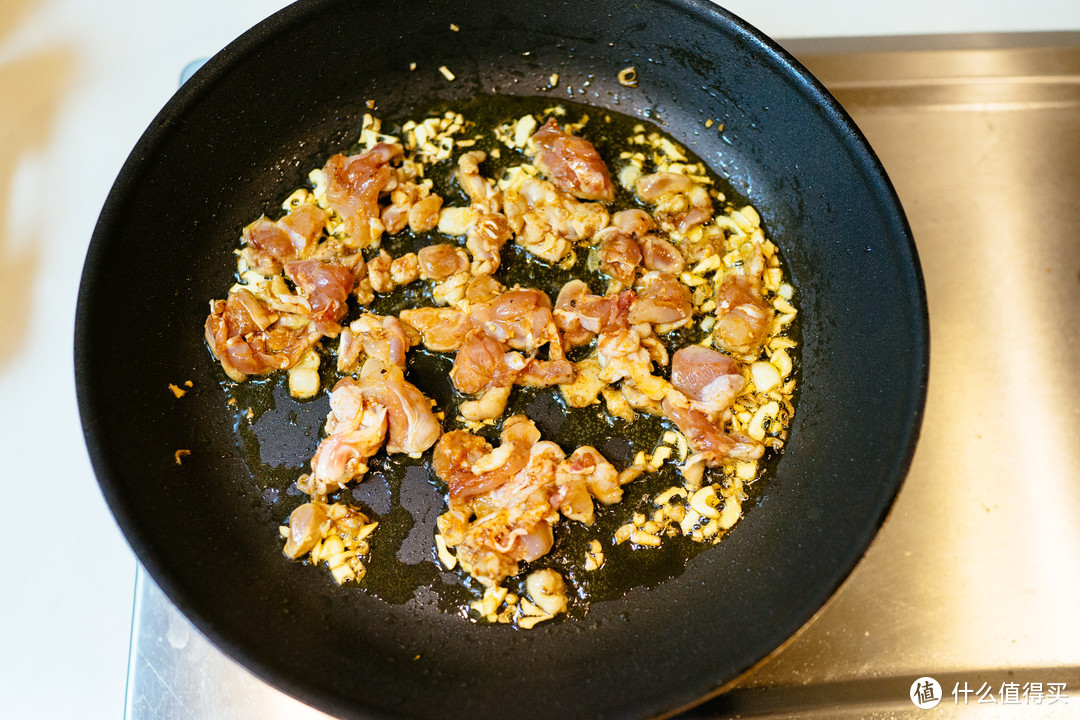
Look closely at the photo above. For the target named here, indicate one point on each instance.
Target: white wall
(831, 18)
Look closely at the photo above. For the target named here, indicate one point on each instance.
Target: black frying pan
(244, 132)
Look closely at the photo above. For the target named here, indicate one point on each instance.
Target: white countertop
(80, 80)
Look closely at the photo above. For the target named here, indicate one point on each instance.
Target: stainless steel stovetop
(974, 579)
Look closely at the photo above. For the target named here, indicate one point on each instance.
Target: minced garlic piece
(644, 538)
(782, 361)
(730, 514)
(447, 558)
(704, 502)
(765, 375)
(547, 589)
(371, 135)
(628, 174)
(659, 455)
(668, 495)
(335, 534)
(746, 470)
(304, 376)
(594, 556)
(756, 428)
(523, 130)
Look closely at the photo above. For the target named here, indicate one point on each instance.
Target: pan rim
(265, 32)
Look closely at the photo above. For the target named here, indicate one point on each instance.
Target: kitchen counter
(974, 578)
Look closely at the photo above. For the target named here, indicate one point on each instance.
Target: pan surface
(244, 132)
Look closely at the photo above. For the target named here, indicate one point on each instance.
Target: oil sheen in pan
(278, 434)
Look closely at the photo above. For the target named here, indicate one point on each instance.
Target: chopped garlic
(765, 375)
(659, 455)
(672, 150)
(709, 264)
(445, 556)
(594, 556)
(704, 502)
(523, 130)
(304, 376)
(783, 305)
(688, 522)
(756, 428)
(640, 537)
(746, 470)
(547, 589)
(782, 361)
(628, 175)
(730, 513)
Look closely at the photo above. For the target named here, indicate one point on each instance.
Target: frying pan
(245, 130)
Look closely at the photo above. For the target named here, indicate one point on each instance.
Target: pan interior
(246, 130)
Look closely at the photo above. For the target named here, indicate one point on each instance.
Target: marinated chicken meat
(495, 345)
(674, 306)
(273, 243)
(505, 501)
(326, 287)
(619, 255)
(379, 407)
(572, 163)
(355, 430)
(372, 336)
(249, 338)
(662, 301)
(442, 329)
(679, 201)
(413, 427)
(484, 226)
(438, 262)
(580, 315)
(742, 317)
(354, 184)
(547, 221)
(710, 380)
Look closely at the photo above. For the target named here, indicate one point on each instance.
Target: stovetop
(974, 578)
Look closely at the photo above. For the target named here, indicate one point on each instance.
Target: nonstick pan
(246, 129)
